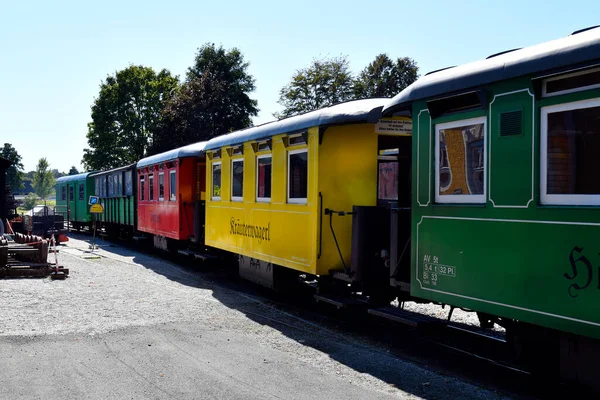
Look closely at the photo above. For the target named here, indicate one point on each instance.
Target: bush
(30, 201)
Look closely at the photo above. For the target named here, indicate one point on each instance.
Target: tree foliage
(323, 83)
(213, 100)
(30, 201)
(73, 171)
(43, 179)
(14, 174)
(329, 81)
(385, 78)
(125, 115)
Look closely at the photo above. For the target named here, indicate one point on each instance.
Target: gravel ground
(117, 288)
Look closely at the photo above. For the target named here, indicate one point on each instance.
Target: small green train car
(72, 196)
(117, 192)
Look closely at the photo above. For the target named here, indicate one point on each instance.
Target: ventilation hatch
(511, 123)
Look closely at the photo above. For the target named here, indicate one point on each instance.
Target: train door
(200, 201)
(71, 202)
(394, 191)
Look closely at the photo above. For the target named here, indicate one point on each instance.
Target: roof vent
(584, 29)
(502, 52)
(438, 70)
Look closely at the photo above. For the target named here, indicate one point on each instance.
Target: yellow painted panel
(347, 177)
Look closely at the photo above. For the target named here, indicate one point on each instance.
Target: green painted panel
(119, 210)
(511, 156)
(422, 152)
(545, 272)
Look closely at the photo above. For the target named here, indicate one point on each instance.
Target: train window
(216, 181)
(111, 186)
(569, 83)
(460, 161)
(142, 188)
(71, 195)
(172, 186)
(297, 184)
(81, 192)
(103, 186)
(63, 193)
(570, 143)
(128, 183)
(237, 179)
(263, 178)
(119, 184)
(151, 187)
(161, 186)
(97, 186)
(387, 178)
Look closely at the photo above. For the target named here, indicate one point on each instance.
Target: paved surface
(128, 325)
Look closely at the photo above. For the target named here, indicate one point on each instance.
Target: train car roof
(581, 47)
(356, 111)
(110, 171)
(191, 150)
(74, 178)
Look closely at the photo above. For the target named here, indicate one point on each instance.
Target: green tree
(73, 171)
(125, 115)
(385, 78)
(323, 83)
(214, 99)
(14, 174)
(30, 201)
(43, 179)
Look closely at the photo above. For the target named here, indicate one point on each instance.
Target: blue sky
(54, 55)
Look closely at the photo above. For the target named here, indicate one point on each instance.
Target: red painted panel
(172, 219)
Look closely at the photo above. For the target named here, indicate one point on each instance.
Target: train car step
(404, 317)
(341, 301)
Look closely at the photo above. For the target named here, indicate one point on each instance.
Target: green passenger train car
(117, 193)
(72, 196)
(506, 187)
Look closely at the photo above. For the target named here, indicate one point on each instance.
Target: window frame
(172, 186)
(296, 200)
(561, 199)
(212, 179)
(475, 199)
(545, 93)
(236, 160)
(151, 187)
(263, 199)
(71, 193)
(142, 191)
(81, 192)
(161, 175)
(387, 159)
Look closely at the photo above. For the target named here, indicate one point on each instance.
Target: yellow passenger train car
(273, 190)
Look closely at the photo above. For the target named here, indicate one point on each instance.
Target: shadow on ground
(390, 353)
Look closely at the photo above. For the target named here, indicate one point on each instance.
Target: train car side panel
(274, 230)
(347, 177)
(162, 211)
(517, 252)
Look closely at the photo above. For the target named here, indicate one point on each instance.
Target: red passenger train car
(171, 191)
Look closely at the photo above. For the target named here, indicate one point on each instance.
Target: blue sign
(93, 200)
